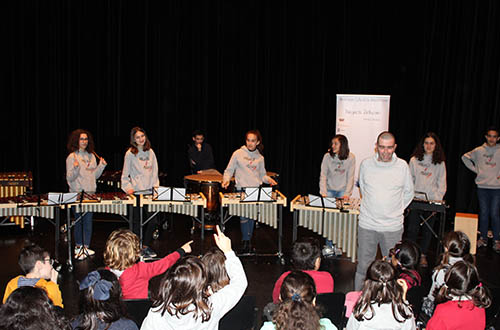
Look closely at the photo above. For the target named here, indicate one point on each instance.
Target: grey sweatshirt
(386, 190)
(82, 177)
(438, 276)
(222, 302)
(337, 174)
(485, 162)
(383, 318)
(428, 177)
(248, 168)
(140, 171)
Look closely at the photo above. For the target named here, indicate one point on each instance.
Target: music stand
(324, 203)
(170, 194)
(258, 194)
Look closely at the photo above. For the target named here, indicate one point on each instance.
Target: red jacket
(450, 315)
(323, 281)
(135, 280)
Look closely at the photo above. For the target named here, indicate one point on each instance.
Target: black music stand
(82, 196)
(434, 208)
(321, 202)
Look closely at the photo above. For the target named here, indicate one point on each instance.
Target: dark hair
(29, 256)
(381, 287)
(94, 311)
(296, 309)
(456, 245)
(74, 140)
(215, 266)
(29, 308)
(462, 280)
(305, 251)
(386, 135)
(256, 132)
(492, 128)
(133, 145)
(198, 132)
(438, 155)
(344, 147)
(184, 285)
(408, 254)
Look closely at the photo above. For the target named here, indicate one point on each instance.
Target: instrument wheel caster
(192, 230)
(282, 261)
(70, 268)
(156, 234)
(165, 225)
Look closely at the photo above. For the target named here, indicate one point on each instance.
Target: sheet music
(252, 194)
(171, 194)
(329, 202)
(62, 198)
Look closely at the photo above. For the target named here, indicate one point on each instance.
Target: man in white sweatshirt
(386, 190)
(485, 162)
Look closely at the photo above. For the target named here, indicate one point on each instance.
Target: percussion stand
(441, 225)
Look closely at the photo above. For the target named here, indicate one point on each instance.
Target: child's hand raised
(187, 247)
(404, 285)
(222, 241)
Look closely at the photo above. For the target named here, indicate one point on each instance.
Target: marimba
(32, 206)
(194, 206)
(14, 184)
(266, 212)
(118, 203)
(340, 225)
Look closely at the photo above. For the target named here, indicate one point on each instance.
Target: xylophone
(337, 224)
(194, 206)
(14, 184)
(269, 213)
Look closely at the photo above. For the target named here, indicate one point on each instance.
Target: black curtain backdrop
(229, 66)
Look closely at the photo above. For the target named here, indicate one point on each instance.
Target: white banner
(361, 118)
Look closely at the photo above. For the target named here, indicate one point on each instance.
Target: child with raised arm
(121, 256)
(183, 301)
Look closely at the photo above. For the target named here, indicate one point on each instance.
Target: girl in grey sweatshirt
(337, 169)
(82, 172)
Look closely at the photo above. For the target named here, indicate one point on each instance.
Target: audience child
(217, 278)
(183, 302)
(37, 267)
(461, 300)
(382, 304)
(456, 248)
(405, 256)
(121, 255)
(306, 256)
(30, 308)
(101, 304)
(297, 307)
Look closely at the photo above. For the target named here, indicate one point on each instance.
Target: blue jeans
(246, 226)
(335, 193)
(83, 229)
(489, 208)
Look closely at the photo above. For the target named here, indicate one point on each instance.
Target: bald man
(386, 188)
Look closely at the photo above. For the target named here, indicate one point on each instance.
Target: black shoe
(148, 254)
(245, 247)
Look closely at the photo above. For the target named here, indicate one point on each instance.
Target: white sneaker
(80, 254)
(77, 248)
(89, 251)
